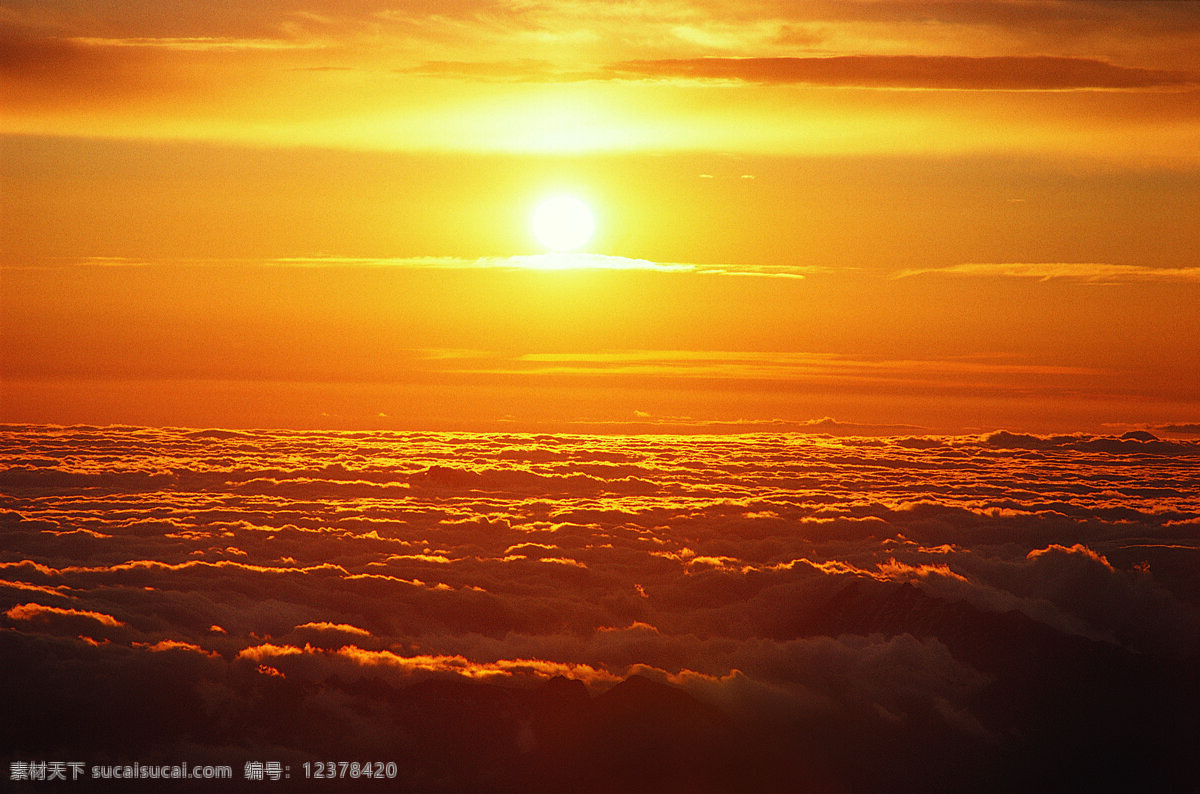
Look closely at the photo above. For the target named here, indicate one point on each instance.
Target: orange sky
(931, 215)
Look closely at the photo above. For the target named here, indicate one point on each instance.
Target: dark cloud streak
(996, 73)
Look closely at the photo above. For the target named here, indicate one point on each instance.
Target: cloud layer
(496, 611)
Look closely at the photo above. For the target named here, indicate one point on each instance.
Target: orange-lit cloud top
(34, 612)
(404, 593)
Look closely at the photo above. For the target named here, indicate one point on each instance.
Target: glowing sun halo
(562, 223)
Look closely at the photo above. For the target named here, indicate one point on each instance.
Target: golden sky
(950, 216)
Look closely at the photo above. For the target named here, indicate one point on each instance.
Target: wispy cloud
(549, 261)
(540, 262)
(1183, 429)
(646, 422)
(998, 73)
(945, 72)
(748, 365)
(557, 261)
(195, 43)
(1091, 272)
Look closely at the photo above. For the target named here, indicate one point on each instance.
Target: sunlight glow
(562, 223)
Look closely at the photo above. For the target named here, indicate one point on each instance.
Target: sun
(562, 223)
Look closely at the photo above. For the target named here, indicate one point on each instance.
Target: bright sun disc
(563, 223)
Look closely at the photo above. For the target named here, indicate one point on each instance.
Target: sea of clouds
(492, 612)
